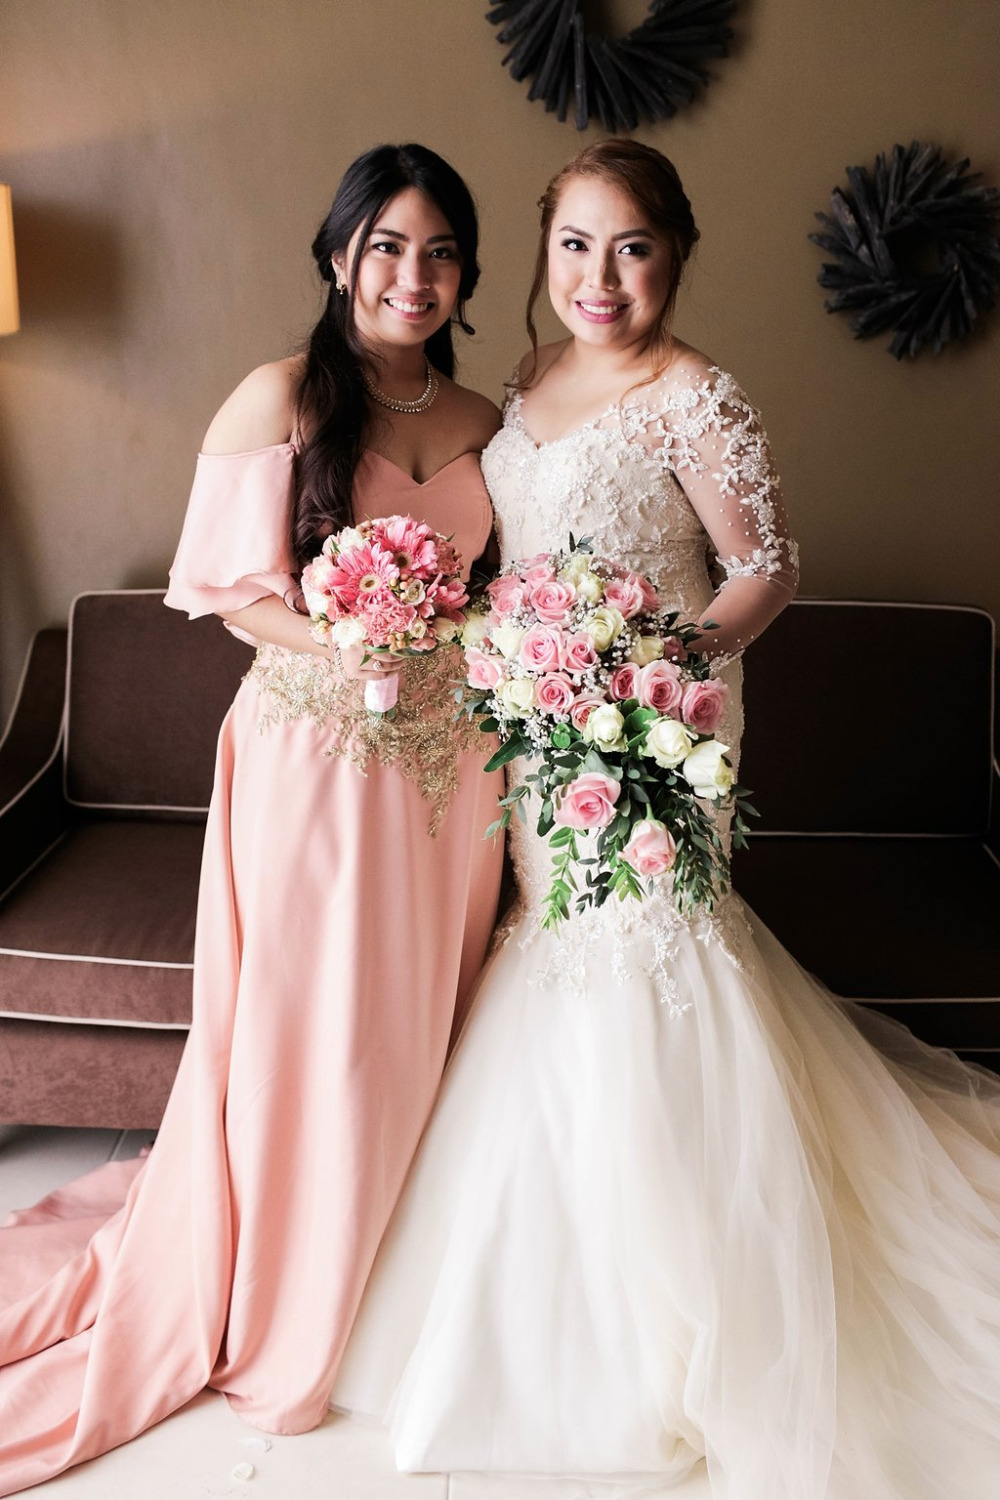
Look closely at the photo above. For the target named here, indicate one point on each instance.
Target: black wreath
(644, 75)
(917, 249)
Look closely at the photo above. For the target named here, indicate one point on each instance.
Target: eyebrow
(629, 234)
(394, 234)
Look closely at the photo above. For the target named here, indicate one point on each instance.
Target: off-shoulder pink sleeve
(235, 546)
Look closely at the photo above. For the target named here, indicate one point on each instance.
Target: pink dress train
(343, 914)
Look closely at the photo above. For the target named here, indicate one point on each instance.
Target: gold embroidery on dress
(422, 739)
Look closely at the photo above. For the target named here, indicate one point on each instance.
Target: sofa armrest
(33, 814)
(993, 833)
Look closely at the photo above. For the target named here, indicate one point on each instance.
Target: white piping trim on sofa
(17, 695)
(30, 1015)
(94, 958)
(105, 806)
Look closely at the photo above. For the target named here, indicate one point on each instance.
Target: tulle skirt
(639, 1235)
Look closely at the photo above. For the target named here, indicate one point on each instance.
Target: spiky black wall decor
(916, 246)
(645, 75)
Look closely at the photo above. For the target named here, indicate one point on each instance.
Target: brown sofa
(105, 776)
(869, 745)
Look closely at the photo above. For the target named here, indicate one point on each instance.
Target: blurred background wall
(170, 162)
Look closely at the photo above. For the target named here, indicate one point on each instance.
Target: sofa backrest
(146, 692)
(871, 718)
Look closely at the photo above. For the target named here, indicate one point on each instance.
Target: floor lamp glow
(10, 319)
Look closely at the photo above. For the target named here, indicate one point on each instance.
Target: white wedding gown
(673, 1205)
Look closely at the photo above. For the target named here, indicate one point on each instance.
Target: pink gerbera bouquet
(392, 586)
(573, 661)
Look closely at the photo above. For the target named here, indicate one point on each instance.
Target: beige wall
(170, 162)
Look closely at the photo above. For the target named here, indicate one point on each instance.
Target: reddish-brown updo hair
(652, 182)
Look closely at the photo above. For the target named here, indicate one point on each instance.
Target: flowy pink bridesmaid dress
(346, 902)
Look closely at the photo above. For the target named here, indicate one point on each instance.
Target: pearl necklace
(408, 408)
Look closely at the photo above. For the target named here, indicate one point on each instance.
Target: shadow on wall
(20, 591)
(69, 268)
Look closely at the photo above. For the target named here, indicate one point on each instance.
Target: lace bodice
(683, 467)
(681, 470)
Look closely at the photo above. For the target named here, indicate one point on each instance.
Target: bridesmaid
(347, 892)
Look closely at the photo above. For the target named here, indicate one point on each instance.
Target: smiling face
(610, 276)
(408, 274)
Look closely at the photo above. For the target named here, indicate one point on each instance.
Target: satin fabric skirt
(335, 938)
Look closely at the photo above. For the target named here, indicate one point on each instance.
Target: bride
(674, 1206)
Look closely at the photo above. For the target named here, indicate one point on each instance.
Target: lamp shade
(10, 320)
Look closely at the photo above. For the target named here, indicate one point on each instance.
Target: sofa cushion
(116, 1077)
(871, 718)
(146, 692)
(103, 929)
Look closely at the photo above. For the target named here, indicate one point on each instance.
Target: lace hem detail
(422, 739)
(628, 940)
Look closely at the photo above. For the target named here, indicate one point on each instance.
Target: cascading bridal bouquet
(572, 660)
(392, 586)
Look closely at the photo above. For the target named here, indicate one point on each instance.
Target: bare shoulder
(478, 415)
(688, 363)
(534, 365)
(261, 411)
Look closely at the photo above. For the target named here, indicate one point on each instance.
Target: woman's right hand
(350, 660)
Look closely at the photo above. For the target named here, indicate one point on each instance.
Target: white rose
(604, 727)
(707, 772)
(417, 630)
(445, 630)
(349, 538)
(667, 742)
(413, 591)
(516, 695)
(590, 588)
(576, 568)
(647, 648)
(348, 632)
(474, 630)
(507, 638)
(315, 603)
(604, 625)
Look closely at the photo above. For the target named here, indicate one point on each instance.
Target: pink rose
(542, 649)
(624, 682)
(578, 652)
(583, 708)
(481, 670)
(625, 594)
(650, 850)
(672, 648)
(539, 571)
(588, 802)
(506, 594)
(552, 600)
(650, 598)
(703, 705)
(660, 686)
(554, 693)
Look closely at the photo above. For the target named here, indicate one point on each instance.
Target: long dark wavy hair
(652, 182)
(331, 401)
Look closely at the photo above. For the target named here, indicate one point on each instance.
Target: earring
(342, 287)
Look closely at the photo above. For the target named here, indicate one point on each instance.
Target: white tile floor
(192, 1455)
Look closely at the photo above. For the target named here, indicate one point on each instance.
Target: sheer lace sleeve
(235, 546)
(710, 438)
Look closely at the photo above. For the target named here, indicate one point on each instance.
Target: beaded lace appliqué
(422, 740)
(618, 479)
